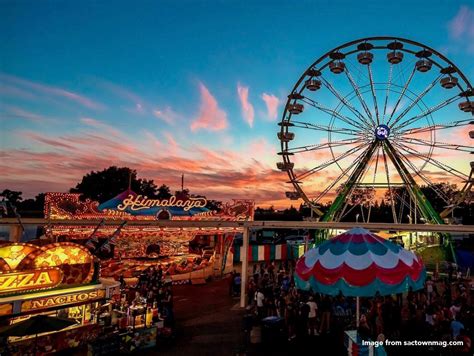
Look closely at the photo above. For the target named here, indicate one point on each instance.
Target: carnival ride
(379, 114)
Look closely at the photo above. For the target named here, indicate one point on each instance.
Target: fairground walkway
(210, 322)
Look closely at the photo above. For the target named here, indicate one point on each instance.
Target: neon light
(30, 280)
(72, 298)
(139, 202)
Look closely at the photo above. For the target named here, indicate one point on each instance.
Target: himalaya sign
(137, 204)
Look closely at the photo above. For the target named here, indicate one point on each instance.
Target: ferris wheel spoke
(328, 163)
(435, 127)
(374, 178)
(376, 166)
(426, 113)
(402, 94)
(423, 177)
(374, 96)
(417, 99)
(356, 112)
(330, 112)
(403, 203)
(359, 95)
(387, 174)
(431, 161)
(321, 146)
(318, 127)
(389, 84)
(344, 173)
(446, 146)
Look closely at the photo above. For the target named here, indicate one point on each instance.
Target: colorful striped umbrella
(360, 264)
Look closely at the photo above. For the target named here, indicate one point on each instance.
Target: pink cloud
(219, 174)
(461, 31)
(272, 102)
(139, 105)
(12, 91)
(47, 140)
(462, 23)
(247, 107)
(167, 114)
(211, 117)
(24, 114)
(53, 91)
(100, 125)
(172, 146)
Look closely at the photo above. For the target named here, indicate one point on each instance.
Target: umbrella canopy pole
(357, 311)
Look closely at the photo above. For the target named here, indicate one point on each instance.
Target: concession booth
(55, 279)
(184, 254)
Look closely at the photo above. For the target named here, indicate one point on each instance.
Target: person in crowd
(364, 328)
(325, 315)
(429, 289)
(290, 318)
(231, 282)
(260, 303)
(456, 327)
(313, 308)
(455, 309)
(237, 283)
(466, 347)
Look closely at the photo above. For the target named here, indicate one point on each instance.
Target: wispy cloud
(101, 125)
(167, 115)
(461, 29)
(139, 105)
(48, 90)
(462, 23)
(220, 174)
(210, 117)
(247, 108)
(272, 102)
(15, 113)
(48, 141)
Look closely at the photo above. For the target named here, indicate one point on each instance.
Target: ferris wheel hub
(382, 131)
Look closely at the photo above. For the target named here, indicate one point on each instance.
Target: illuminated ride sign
(30, 280)
(138, 202)
(131, 206)
(129, 202)
(60, 300)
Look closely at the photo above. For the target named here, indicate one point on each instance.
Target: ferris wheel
(379, 117)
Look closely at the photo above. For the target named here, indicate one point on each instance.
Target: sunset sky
(172, 87)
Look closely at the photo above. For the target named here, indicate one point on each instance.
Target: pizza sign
(27, 280)
(27, 268)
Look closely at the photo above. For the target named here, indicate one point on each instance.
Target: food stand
(60, 279)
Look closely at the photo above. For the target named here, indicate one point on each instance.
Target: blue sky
(141, 73)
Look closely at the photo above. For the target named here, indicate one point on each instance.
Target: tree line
(101, 186)
(106, 184)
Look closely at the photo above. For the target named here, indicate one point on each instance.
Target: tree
(104, 185)
(32, 207)
(14, 197)
(164, 192)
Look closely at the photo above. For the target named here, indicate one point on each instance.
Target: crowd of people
(153, 290)
(441, 311)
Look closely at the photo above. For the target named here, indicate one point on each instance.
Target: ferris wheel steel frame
(360, 122)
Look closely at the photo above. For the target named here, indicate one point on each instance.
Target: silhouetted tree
(32, 207)
(104, 185)
(14, 197)
(164, 192)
